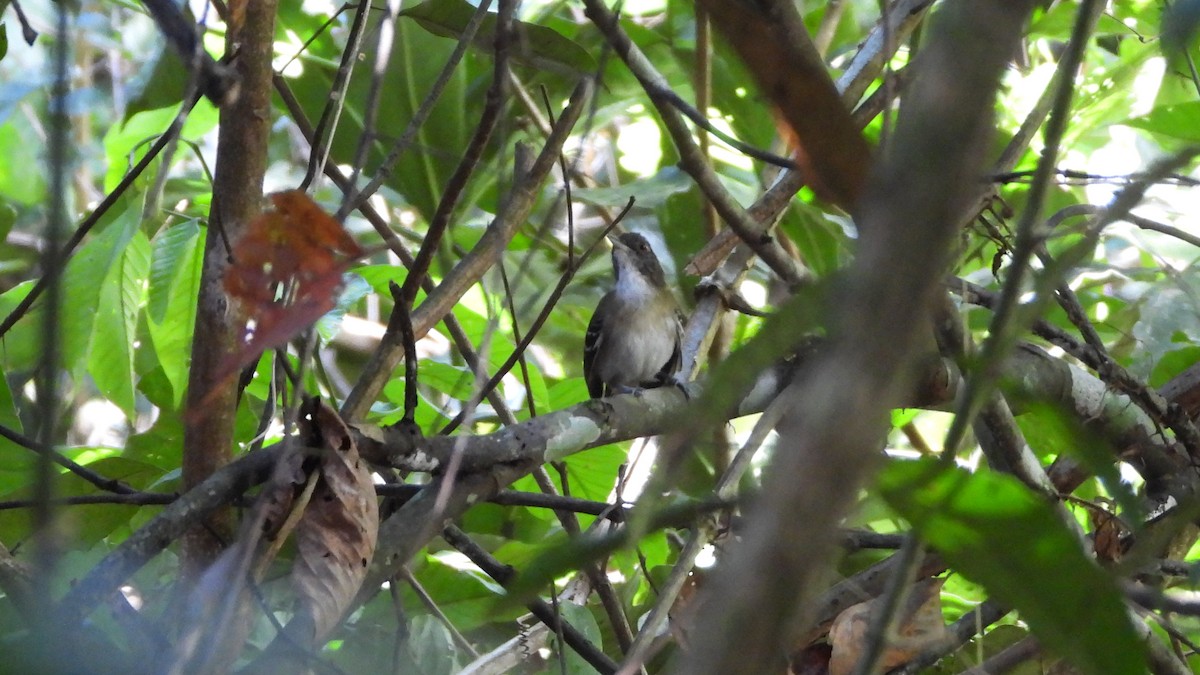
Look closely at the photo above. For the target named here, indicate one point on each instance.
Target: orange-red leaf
(286, 273)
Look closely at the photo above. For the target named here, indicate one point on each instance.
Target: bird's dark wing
(667, 373)
(592, 343)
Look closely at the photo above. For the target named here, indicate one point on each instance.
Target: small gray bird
(633, 338)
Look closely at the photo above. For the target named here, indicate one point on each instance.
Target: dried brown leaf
(919, 626)
(335, 539)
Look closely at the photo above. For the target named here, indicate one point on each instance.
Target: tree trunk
(237, 197)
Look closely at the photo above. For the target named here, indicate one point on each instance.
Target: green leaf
(1173, 363)
(423, 168)
(110, 356)
(995, 531)
(431, 647)
(3, 41)
(97, 263)
(8, 217)
(582, 620)
(465, 595)
(18, 183)
(125, 144)
(651, 192)
(1173, 121)
(15, 460)
(171, 310)
(538, 46)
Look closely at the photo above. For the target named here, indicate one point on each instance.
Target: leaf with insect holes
(335, 539)
(286, 273)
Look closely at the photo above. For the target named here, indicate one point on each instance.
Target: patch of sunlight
(640, 7)
(639, 145)
(285, 62)
(722, 152)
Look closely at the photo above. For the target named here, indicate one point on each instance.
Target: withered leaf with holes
(287, 272)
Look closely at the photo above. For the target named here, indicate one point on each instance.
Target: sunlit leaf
(110, 358)
(354, 288)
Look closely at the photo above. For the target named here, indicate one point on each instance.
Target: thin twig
(691, 159)
(431, 97)
(327, 124)
(431, 605)
(504, 575)
(1001, 330)
(457, 183)
(107, 484)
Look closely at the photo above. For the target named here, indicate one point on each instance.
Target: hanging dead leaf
(335, 539)
(1111, 537)
(918, 626)
(286, 274)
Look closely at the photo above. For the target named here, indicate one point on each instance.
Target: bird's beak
(616, 243)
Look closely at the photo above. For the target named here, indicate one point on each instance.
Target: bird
(633, 339)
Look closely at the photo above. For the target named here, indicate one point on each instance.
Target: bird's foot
(680, 383)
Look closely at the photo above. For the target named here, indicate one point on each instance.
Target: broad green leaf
(1054, 431)
(110, 357)
(19, 348)
(125, 144)
(3, 41)
(467, 596)
(8, 216)
(536, 45)
(380, 276)
(20, 182)
(453, 381)
(995, 531)
(1173, 363)
(171, 310)
(97, 264)
(161, 82)
(423, 168)
(86, 523)
(567, 393)
(15, 460)
(581, 618)
(431, 647)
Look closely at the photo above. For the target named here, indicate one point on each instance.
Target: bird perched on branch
(633, 338)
